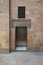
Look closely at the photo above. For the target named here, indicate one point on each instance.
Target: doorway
(21, 38)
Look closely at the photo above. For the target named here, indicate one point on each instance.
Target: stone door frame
(18, 23)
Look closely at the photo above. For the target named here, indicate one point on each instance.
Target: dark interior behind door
(21, 36)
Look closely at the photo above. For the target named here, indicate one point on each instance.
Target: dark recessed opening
(21, 12)
(21, 37)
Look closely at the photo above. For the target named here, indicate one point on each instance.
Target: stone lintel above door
(21, 22)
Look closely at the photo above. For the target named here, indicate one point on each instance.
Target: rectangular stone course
(4, 26)
(24, 23)
(34, 12)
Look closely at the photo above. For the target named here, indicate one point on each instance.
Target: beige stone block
(7, 40)
(4, 6)
(37, 26)
(35, 39)
(4, 21)
(4, 30)
(4, 41)
(0, 41)
(13, 39)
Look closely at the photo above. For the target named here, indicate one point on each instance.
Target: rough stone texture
(34, 11)
(4, 6)
(21, 23)
(4, 26)
(13, 39)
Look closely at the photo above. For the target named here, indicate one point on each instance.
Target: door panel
(21, 35)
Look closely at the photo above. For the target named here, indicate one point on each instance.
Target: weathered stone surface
(35, 40)
(4, 26)
(13, 39)
(34, 11)
(23, 24)
(4, 21)
(4, 6)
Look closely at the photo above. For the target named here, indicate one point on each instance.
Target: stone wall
(34, 11)
(4, 26)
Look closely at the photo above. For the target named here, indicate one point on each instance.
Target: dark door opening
(21, 38)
